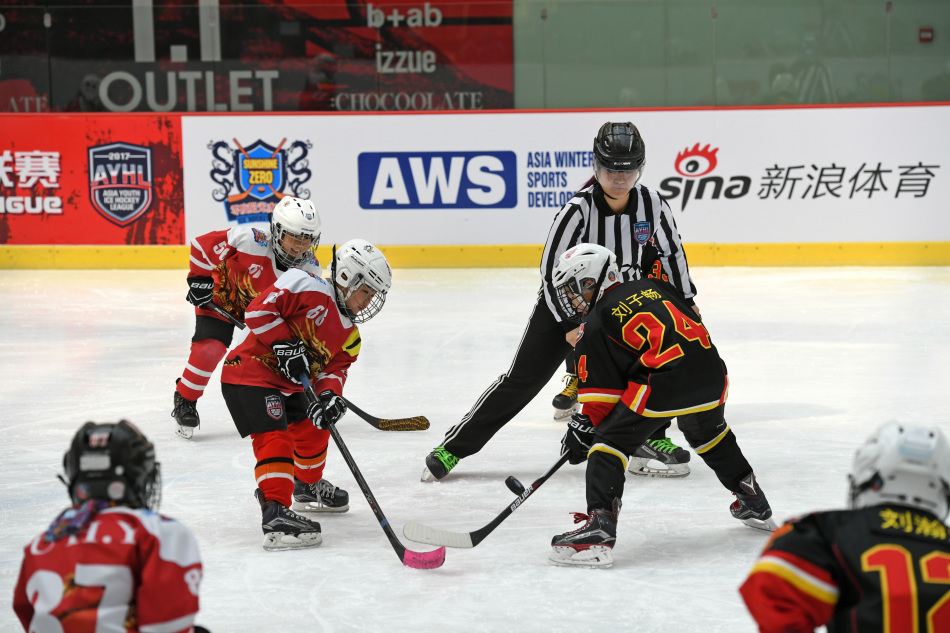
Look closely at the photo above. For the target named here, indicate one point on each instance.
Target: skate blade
(427, 475)
(277, 541)
(563, 414)
(643, 468)
(595, 557)
(185, 432)
(313, 506)
(766, 525)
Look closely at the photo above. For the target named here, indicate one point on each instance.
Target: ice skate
(284, 528)
(438, 464)
(659, 458)
(590, 545)
(185, 413)
(320, 497)
(751, 507)
(565, 403)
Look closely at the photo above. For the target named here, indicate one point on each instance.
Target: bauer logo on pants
(275, 407)
(120, 181)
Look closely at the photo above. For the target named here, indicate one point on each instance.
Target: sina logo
(696, 182)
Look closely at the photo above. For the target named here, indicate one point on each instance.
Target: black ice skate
(590, 545)
(186, 415)
(565, 403)
(751, 507)
(320, 497)
(438, 464)
(284, 528)
(668, 459)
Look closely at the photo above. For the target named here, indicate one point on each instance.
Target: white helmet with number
(581, 275)
(294, 229)
(905, 465)
(358, 263)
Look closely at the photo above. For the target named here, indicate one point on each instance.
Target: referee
(637, 225)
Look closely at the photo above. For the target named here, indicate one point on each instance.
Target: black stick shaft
(214, 307)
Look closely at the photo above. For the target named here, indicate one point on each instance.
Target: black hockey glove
(327, 410)
(578, 439)
(200, 290)
(292, 359)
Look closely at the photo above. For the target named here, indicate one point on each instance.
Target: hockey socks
(204, 358)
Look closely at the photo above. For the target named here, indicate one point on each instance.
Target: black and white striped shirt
(643, 233)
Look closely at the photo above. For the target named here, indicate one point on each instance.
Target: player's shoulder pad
(353, 341)
(301, 280)
(176, 542)
(249, 239)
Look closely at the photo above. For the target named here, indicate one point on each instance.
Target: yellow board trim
(500, 256)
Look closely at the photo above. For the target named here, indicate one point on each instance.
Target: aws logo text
(438, 180)
(695, 165)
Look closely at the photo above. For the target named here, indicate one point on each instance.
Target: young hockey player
(301, 325)
(230, 268)
(109, 562)
(614, 210)
(641, 360)
(882, 565)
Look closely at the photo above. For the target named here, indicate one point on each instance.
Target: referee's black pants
(542, 349)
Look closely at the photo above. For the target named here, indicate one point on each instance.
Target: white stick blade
(434, 536)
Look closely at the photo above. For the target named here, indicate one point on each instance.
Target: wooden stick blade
(417, 423)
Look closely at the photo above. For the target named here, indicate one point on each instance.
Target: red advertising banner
(86, 179)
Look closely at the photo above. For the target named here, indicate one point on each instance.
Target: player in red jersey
(109, 562)
(231, 268)
(642, 359)
(301, 325)
(884, 564)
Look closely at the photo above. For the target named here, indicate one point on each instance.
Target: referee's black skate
(320, 497)
(185, 413)
(659, 458)
(751, 507)
(284, 528)
(438, 464)
(592, 544)
(565, 403)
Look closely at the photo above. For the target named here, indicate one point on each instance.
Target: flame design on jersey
(235, 289)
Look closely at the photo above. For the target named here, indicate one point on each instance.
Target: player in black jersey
(643, 357)
(634, 222)
(884, 564)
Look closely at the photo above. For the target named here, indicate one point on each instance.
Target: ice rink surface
(817, 358)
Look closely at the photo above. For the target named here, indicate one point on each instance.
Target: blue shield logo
(260, 170)
(642, 232)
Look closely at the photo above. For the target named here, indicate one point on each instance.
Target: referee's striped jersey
(643, 233)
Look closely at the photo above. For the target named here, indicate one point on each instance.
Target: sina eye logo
(696, 162)
(696, 181)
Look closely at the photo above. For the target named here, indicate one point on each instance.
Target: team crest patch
(641, 232)
(259, 236)
(275, 407)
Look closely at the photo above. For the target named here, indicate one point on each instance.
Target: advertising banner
(91, 180)
(741, 176)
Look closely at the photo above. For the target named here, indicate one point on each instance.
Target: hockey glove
(327, 410)
(292, 359)
(200, 290)
(578, 439)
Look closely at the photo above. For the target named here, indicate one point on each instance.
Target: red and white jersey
(241, 262)
(127, 571)
(298, 306)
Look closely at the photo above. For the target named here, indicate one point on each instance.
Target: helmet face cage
(298, 220)
(619, 148)
(902, 464)
(358, 263)
(113, 462)
(584, 269)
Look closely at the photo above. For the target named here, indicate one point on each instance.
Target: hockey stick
(409, 558)
(435, 536)
(415, 423)
(214, 307)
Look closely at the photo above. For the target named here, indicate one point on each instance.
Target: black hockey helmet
(619, 147)
(113, 462)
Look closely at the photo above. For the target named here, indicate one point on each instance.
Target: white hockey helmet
(581, 275)
(903, 464)
(358, 263)
(295, 229)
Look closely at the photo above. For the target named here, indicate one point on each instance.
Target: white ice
(817, 358)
